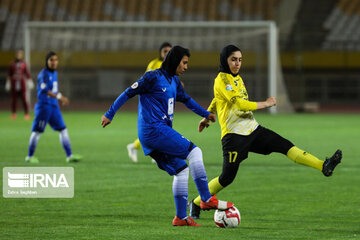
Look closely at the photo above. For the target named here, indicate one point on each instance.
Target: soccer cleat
(194, 210)
(31, 159)
(188, 221)
(213, 203)
(132, 152)
(27, 117)
(74, 158)
(153, 160)
(330, 163)
(13, 116)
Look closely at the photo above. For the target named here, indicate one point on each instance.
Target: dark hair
(164, 44)
(48, 56)
(225, 53)
(173, 59)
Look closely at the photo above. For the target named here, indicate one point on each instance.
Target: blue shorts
(47, 113)
(168, 147)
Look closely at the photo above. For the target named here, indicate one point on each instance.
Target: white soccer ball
(227, 219)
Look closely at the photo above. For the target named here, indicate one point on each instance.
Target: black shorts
(262, 141)
(236, 148)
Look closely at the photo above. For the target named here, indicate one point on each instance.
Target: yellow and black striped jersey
(232, 105)
(154, 64)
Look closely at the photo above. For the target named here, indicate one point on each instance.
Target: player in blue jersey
(133, 147)
(158, 91)
(47, 110)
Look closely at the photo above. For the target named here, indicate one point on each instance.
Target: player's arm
(271, 101)
(141, 86)
(7, 84)
(8, 79)
(190, 103)
(47, 89)
(205, 123)
(64, 100)
(244, 105)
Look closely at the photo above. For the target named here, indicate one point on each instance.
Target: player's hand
(30, 84)
(271, 101)
(64, 101)
(204, 123)
(105, 121)
(212, 117)
(7, 86)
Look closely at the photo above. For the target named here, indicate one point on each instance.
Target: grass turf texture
(117, 199)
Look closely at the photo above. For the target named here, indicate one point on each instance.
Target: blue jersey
(47, 81)
(158, 93)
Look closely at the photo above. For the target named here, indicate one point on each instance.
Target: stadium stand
(334, 26)
(342, 25)
(319, 42)
(14, 13)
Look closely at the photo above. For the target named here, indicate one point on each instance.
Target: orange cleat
(13, 116)
(213, 203)
(188, 221)
(27, 117)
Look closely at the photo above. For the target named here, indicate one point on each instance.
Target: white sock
(180, 191)
(198, 173)
(65, 141)
(34, 138)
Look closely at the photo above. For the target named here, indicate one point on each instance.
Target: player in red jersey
(18, 79)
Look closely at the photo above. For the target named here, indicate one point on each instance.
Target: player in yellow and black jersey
(153, 65)
(241, 133)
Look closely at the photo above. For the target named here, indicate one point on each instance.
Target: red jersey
(18, 72)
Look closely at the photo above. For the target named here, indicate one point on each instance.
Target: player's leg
(171, 142)
(42, 115)
(197, 169)
(132, 149)
(34, 139)
(302, 157)
(180, 191)
(269, 141)
(198, 173)
(65, 141)
(56, 121)
(13, 102)
(216, 184)
(235, 149)
(178, 168)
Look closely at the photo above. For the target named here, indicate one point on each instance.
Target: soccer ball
(227, 219)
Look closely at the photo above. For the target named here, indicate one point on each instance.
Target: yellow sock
(137, 144)
(301, 157)
(214, 187)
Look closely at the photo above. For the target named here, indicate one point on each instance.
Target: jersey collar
(167, 75)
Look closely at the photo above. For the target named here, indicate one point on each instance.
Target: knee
(183, 173)
(196, 151)
(62, 130)
(36, 133)
(195, 156)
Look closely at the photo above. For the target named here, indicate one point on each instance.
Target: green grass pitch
(117, 199)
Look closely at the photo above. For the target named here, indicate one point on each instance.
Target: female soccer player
(158, 92)
(17, 82)
(165, 47)
(240, 132)
(47, 110)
